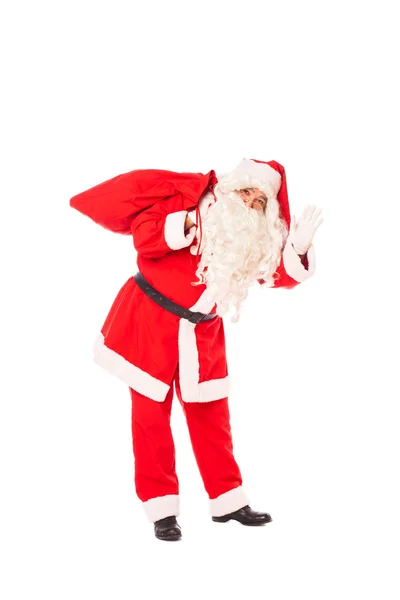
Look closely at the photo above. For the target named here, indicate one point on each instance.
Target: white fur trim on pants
(161, 507)
(191, 389)
(228, 502)
(293, 265)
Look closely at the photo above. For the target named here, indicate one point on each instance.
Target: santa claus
(201, 242)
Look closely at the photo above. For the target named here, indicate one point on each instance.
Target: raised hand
(302, 231)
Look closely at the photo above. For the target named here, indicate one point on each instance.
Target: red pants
(156, 481)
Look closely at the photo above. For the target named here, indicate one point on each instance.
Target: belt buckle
(197, 317)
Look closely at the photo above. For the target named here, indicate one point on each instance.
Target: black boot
(245, 516)
(167, 529)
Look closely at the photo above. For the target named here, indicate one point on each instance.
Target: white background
(95, 89)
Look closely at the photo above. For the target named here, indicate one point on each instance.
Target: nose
(250, 203)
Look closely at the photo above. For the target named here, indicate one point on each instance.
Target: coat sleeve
(160, 228)
(293, 269)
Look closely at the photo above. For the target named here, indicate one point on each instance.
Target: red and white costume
(149, 348)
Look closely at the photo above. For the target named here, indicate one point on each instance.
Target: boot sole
(225, 520)
(169, 538)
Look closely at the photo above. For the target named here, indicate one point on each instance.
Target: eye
(246, 192)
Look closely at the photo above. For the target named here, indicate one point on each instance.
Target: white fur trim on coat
(191, 389)
(293, 265)
(214, 389)
(174, 231)
(136, 378)
(162, 507)
(228, 502)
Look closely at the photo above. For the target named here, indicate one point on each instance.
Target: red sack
(115, 202)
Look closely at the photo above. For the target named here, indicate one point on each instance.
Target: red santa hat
(269, 177)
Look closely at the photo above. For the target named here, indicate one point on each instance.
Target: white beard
(238, 246)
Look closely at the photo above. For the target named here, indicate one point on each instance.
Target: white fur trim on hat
(249, 173)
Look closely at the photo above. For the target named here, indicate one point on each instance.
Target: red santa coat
(140, 342)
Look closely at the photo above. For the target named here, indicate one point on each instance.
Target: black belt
(176, 309)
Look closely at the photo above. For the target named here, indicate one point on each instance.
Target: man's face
(253, 198)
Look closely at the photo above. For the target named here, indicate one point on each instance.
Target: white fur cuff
(293, 265)
(174, 231)
(228, 502)
(162, 507)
